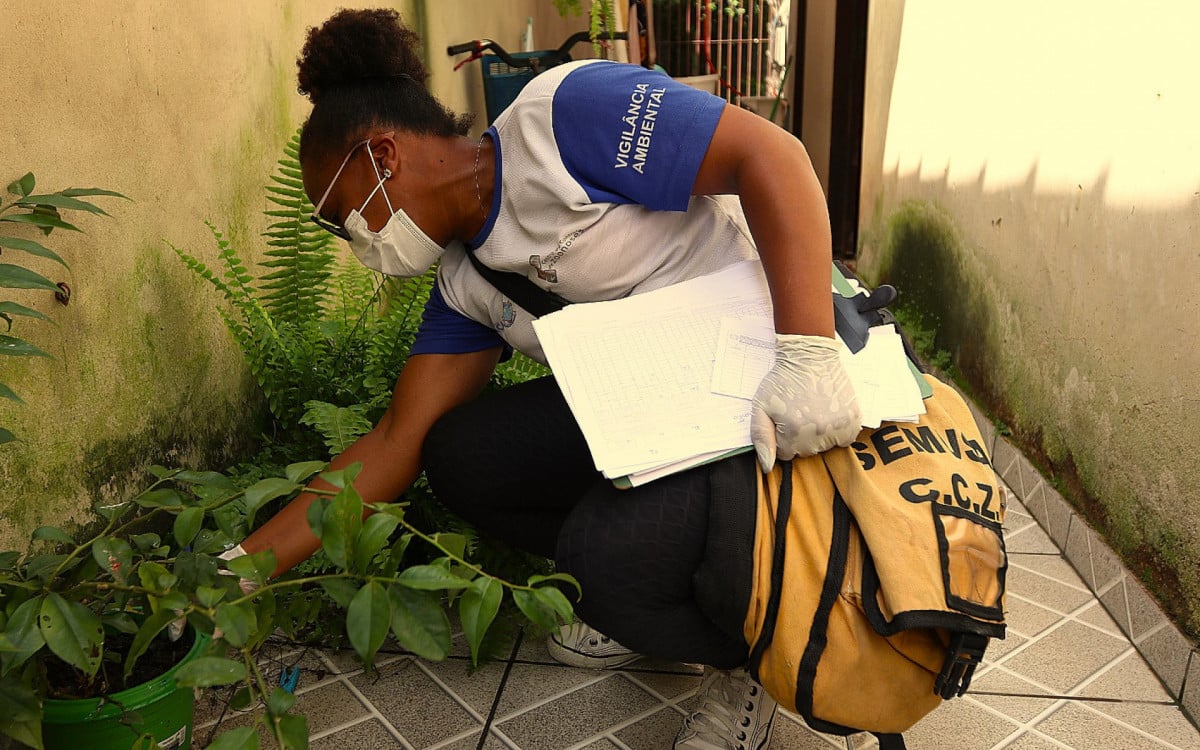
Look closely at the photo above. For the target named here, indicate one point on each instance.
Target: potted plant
(81, 612)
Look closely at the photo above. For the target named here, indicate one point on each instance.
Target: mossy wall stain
(1071, 406)
(185, 112)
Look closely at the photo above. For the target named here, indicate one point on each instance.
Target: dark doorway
(846, 135)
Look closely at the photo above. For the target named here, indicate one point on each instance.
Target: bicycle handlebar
(478, 46)
(458, 49)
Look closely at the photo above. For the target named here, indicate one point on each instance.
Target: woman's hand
(805, 404)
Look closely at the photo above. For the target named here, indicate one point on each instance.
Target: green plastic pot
(157, 707)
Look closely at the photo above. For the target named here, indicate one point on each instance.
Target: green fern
(339, 426)
(313, 329)
(300, 254)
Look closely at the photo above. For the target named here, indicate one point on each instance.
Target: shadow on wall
(1071, 319)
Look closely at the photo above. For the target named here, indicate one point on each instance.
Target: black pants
(665, 568)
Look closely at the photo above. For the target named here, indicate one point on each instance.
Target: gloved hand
(806, 403)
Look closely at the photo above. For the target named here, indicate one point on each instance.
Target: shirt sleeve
(631, 135)
(444, 330)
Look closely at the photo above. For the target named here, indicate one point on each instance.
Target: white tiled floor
(1065, 677)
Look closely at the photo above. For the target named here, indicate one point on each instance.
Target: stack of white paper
(664, 380)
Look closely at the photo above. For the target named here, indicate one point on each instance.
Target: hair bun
(354, 46)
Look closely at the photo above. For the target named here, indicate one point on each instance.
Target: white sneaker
(579, 645)
(737, 714)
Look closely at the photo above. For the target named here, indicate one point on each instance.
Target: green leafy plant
(43, 212)
(324, 338)
(152, 561)
(311, 327)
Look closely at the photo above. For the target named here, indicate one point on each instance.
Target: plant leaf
(291, 732)
(75, 192)
(367, 620)
(23, 186)
(58, 200)
(242, 738)
(433, 577)
(265, 491)
(18, 701)
(209, 595)
(564, 577)
(538, 611)
(454, 544)
(22, 633)
(6, 436)
(163, 497)
(15, 347)
(340, 590)
(280, 702)
(187, 523)
(375, 533)
(12, 308)
(153, 625)
(209, 671)
(114, 555)
(31, 247)
(51, 534)
(214, 479)
(257, 567)
(156, 577)
(73, 632)
(339, 425)
(19, 277)
(340, 527)
(477, 609)
(419, 622)
(300, 471)
(237, 622)
(44, 220)
(555, 600)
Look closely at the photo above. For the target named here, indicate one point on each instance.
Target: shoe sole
(572, 658)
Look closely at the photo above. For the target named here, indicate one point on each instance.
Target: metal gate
(743, 43)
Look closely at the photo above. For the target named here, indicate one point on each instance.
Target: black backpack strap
(531, 297)
(891, 741)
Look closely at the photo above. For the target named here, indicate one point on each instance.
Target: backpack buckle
(962, 656)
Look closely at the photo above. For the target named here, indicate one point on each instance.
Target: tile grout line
(1054, 707)
(805, 727)
(450, 692)
(370, 705)
(645, 714)
(1073, 616)
(1127, 726)
(1081, 589)
(1076, 699)
(545, 701)
(1064, 618)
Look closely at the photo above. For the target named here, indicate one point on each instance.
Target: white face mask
(400, 248)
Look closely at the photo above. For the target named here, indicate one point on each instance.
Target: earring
(387, 174)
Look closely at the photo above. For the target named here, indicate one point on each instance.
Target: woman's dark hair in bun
(361, 70)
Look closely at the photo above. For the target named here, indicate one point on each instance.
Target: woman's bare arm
(390, 454)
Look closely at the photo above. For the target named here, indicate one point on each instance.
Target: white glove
(245, 584)
(806, 403)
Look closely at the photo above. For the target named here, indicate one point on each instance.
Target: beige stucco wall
(1041, 159)
(183, 107)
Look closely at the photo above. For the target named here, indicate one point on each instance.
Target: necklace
(478, 192)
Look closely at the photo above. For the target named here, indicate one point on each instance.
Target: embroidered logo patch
(508, 316)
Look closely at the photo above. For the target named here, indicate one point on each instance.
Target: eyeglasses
(333, 228)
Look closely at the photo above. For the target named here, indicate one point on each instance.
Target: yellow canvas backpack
(879, 573)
